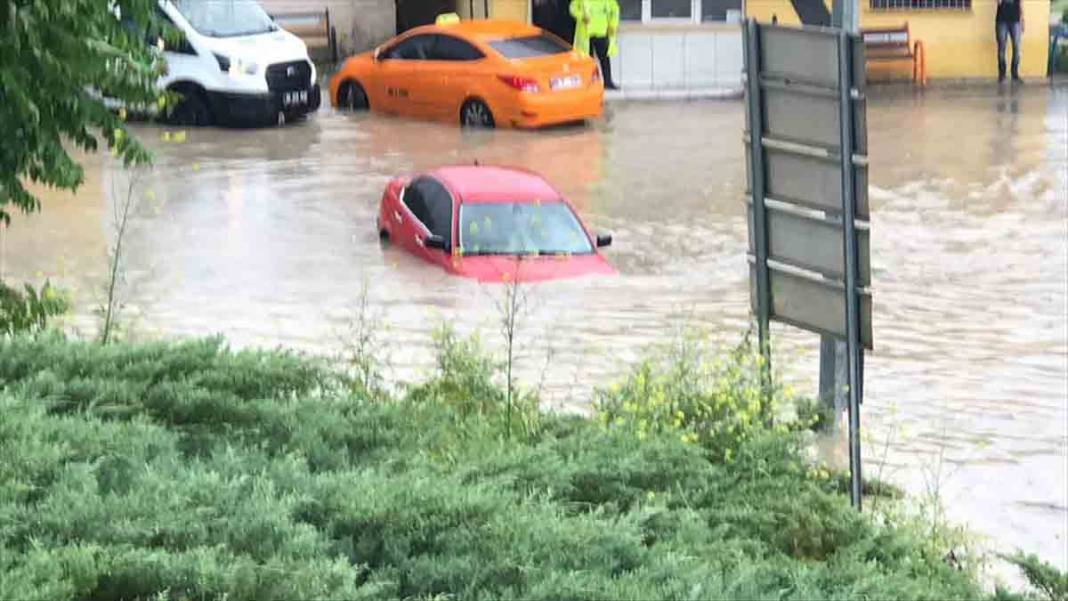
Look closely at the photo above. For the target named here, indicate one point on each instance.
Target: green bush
(188, 471)
(1049, 583)
(715, 400)
(466, 381)
(28, 310)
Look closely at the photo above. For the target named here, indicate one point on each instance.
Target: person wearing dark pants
(1009, 26)
(599, 47)
(596, 22)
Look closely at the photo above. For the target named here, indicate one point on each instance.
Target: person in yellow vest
(596, 22)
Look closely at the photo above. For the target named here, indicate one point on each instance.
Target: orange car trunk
(556, 73)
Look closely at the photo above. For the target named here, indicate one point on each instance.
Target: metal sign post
(806, 163)
(849, 249)
(756, 186)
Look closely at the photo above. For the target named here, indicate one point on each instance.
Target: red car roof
(495, 184)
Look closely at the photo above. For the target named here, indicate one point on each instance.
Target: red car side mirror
(434, 241)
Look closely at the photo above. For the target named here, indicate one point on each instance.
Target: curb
(641, 94)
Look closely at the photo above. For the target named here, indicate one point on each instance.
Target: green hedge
(187, 471)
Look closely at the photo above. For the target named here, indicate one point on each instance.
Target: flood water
(267, 237)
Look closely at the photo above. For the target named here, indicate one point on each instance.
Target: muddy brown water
(267, 236)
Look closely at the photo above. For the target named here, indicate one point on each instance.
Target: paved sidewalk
(716, 93)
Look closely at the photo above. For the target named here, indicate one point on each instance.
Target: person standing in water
(596, 22)
(1009, 26)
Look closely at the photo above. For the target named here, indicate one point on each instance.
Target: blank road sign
(815, 182)
(811, 242)
(811, 303)
(808, 55)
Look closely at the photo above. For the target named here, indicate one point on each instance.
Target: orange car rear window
(530, 46)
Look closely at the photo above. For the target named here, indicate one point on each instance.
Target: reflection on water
(268, 237)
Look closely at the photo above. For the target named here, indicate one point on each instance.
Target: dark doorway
(554, 16)
(413, 13)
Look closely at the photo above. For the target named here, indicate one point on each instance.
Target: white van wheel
(191, 110)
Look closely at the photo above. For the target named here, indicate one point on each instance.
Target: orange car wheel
(475, 113)
(352, 97)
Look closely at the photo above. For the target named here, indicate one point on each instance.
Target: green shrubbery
(715, 400)
(184, 470)
(28, 310)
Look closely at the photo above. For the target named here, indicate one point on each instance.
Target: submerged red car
(491, 224)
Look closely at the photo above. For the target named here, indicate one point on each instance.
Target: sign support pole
(756, 157)
(853, 348)
(833, 369)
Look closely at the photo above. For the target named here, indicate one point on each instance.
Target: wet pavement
(268, 237)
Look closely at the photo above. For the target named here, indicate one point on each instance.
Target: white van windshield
(226, 18)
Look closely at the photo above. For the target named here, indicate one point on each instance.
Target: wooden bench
(891, 44)
(313, 27)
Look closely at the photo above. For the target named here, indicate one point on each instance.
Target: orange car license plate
(565, 83)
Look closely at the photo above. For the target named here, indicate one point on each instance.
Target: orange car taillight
(523, 84)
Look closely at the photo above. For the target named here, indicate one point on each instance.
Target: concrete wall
(663, 57)
(361, 24)
(959, 43)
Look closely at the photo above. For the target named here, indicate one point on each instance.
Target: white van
(235, 66)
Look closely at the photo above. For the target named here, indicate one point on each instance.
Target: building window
(630, 10)
(695, 11)
(671, 9)
(920, 4)
(721, 10)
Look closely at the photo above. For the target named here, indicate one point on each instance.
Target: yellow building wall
(506, 10)
(958, 43)
(464, 8)
(961, 43)
(764, 10)
(510, 10)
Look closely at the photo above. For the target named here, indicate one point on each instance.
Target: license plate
(295, 98)
(565, 83)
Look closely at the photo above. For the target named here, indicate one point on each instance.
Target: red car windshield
(546, 228)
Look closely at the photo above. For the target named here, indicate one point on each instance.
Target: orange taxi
(479, 73)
